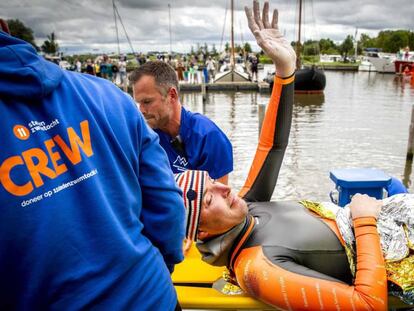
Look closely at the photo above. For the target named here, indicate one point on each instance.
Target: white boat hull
(383, 65)
(367, 66)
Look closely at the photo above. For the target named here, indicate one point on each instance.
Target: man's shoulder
(198, 123)
(98, 90)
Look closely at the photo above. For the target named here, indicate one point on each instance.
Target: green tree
(411, 41)
(50, 46)
(247, 47)
(311, 47)
(227, 47)
(327, 46)
(392, 40)
(21, 31)
(366, 41)
(214, 50)
(347, 46)
(206, 48)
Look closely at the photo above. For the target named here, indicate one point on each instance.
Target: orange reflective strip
(284, 81)
(266, 135)
(242, 240)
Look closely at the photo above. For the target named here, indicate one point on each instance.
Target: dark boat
(307, 80)
(310, 80)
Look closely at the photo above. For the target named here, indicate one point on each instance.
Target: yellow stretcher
(195, 283)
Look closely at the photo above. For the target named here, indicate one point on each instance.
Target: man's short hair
(164, 75)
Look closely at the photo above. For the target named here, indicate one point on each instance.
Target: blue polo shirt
(206, 147)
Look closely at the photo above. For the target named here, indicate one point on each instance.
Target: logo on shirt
(46, 161)
(180, 163)
(21, 132)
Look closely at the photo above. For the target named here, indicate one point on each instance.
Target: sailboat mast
(169, 26)
(116, 25)
(298, 62)
(232, 59)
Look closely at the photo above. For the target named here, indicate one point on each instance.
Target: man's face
(155, 107)
(221, 208)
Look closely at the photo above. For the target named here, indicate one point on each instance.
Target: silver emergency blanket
(395, 226)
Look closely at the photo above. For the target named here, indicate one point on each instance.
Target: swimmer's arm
(274, 138)
(298, 287)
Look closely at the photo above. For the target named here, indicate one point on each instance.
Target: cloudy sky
(88, 25)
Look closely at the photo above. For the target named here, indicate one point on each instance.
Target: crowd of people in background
(190, 68)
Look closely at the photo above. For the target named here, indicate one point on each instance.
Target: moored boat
(383, 62)
(310, 80)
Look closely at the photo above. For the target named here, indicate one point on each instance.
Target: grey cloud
(89, 24)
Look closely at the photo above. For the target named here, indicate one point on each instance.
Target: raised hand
(270, 39)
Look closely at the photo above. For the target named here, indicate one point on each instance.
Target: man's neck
(172, 128)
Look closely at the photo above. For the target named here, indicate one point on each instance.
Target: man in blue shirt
(90, 215)
(191, 140)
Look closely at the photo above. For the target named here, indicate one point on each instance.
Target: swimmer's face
(221, 209)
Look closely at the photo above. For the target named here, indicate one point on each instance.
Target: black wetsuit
(284, 254)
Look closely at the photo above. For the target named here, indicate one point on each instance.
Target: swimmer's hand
(363, 205)
(270, 39)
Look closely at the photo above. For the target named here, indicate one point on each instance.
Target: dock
(262, 87)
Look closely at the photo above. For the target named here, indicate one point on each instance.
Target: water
(362, 120)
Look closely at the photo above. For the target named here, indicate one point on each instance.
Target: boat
(234, 72)
(310, 80)
(405, 62)
(307, 80)
(383, 62)
(366, 65)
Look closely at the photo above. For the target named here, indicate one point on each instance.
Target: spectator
(122, 71)
(254, 67)
(110, 73)
(90, 68)
(211, 67)
(104, 67)
(78, 65)
(98, 68)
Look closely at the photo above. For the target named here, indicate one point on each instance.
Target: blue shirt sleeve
(163, 208)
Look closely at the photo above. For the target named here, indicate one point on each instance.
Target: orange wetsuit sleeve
(274, 137)
(265, 280)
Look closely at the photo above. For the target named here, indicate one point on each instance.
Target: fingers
(265, 15)
(250, 19)
(256, 10)
(275, 19)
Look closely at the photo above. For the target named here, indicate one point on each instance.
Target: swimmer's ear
(202, 235)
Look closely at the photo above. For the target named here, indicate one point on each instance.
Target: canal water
(362, 120)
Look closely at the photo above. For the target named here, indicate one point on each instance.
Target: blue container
(350, 181)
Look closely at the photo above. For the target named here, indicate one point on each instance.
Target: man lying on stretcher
(292, 255)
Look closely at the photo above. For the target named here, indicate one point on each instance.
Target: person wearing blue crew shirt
(191, 140)
(90, 217)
